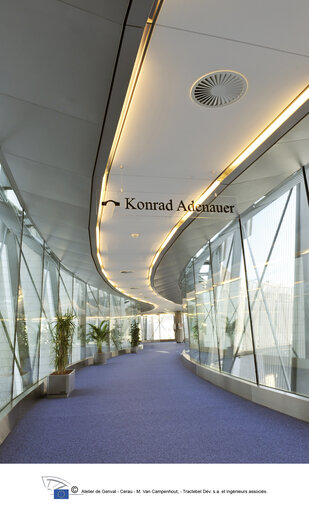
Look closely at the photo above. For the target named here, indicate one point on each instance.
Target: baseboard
(293, 405)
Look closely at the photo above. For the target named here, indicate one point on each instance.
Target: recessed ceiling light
(135, 236)
(219, 88)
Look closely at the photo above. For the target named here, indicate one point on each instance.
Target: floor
(148, 408)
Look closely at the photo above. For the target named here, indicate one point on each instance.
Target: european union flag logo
(61, 494)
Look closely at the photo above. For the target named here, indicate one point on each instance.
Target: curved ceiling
(173, 149)
(65, 70)
(58, 63)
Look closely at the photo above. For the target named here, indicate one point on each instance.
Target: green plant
(116, 335)
(62, 335)
(135, 333)
(230, 327)
(195, 329)
(99, 334)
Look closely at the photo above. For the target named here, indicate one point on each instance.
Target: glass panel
(167, 326)
(127, 312)
(28, 325)
(10, 232)
(79, 309)
(65, 292)
(10, 236)
(50, 308)
(191, 313)
(104, 315)
(205, 310)
(92, 308)
(300, 347)
(118, 321)
(184, 312)
(276, 260)
(231, 305)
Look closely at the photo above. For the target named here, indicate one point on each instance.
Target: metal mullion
(215, 305)
(58, 287)
(74, 313)
(41, 311)
(303, 168)
(30, 275)
(9, 342)
(65, 288)
(16, 306)
(43, 289)
(188, 319)
(93, 295)
(3, 241)
(249, 309)
(195, 299)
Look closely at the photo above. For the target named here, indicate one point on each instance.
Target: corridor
(148, 408)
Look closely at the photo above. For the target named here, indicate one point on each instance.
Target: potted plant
(135, 335)
(99, 334)
(62, 381)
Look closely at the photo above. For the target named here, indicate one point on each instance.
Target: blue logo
(61, 494)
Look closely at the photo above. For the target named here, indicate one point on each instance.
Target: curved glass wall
(245, 293)
(34, 286)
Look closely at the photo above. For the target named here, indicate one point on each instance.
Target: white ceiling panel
(48, 137)
(114, 11)
(50, 182)
(279, 24)
(55, 56)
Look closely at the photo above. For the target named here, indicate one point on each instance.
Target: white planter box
(61, 385)
(100, 358)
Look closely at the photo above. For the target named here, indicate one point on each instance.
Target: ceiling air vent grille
(219, 88)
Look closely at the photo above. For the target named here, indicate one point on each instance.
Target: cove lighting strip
(268, 131)
(125, 108)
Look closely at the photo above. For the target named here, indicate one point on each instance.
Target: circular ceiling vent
(219, 88)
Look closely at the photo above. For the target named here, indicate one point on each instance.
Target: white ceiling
(57, 62)
(172, 148)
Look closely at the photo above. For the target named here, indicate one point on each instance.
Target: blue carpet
(148, 408)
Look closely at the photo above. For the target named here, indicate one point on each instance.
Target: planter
(61, 385)
(134, 349)
(123, 351)
(100, 358)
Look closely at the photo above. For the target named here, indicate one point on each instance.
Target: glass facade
(245, 293)
(34, 286)
(158, 327)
